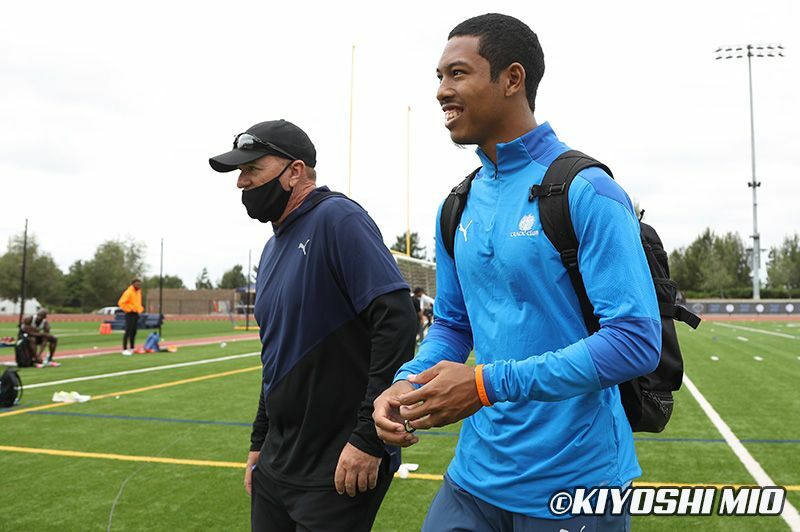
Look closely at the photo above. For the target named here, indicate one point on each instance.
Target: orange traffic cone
(105, 328)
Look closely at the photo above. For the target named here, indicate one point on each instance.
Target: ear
(514, 79)
(296, 172)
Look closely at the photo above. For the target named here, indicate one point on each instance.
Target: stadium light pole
(24, 267)
(749, 51)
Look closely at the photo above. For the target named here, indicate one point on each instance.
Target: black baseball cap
(275, 137)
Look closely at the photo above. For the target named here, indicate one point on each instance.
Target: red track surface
(75, 353)
(14, 318)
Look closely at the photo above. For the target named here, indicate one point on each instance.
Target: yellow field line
(136, 390)
(211, 463)
(123, 457)
(239, 465)
(423, 476)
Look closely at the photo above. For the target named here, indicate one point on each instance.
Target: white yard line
(64, 335)
(742, 328)
(133, 371)
(789, 513)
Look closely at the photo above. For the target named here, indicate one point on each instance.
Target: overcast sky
(110, 111)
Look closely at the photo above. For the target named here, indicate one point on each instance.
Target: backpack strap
(553, 194)
(680, 313)
(322, 196)
(451, 211)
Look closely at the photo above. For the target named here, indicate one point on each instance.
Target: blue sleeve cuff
(402, 375)
(624, 349)
(487, 386)
(443, 342)
(457, 339)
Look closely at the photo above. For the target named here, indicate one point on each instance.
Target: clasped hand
(448, 394)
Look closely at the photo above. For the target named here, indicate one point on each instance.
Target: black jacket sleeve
(393, 329)
(260, 425)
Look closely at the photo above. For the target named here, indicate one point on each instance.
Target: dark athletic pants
(277, 508)
(454, 510)
(131, 322)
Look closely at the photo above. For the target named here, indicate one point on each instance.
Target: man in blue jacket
(541, 408)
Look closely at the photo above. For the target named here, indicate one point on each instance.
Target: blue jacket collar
(518, 153)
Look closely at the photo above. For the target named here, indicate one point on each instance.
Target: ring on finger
(408, 427)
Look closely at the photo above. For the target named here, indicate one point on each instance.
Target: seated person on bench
(37, 330)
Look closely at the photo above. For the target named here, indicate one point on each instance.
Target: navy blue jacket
(336, 322)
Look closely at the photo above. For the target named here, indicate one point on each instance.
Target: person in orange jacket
(131, 303)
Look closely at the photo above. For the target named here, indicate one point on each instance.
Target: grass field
(164, 449)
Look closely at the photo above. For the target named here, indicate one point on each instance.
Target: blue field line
(425, 432)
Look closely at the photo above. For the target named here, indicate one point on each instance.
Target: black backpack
(23, 351)
(10, 388)
(648, 399)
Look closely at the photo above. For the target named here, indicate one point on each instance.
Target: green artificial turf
(209, 420)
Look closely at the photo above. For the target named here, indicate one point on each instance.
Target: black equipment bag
(23, 351)
(10, 388)
(647, 399)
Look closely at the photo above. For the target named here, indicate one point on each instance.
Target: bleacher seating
(146, 321)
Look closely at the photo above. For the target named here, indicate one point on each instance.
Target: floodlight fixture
(749, 51)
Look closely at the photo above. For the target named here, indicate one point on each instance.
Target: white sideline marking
(789, 513)
(742, 338)
(781, 335)
(132, 371)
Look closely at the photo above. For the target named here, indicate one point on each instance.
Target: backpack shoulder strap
(322, 196)
(553, 194)
(452, 209)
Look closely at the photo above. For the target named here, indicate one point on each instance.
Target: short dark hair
(418, 290)
(504, 40)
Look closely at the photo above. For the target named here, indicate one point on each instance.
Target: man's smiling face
(468, 97)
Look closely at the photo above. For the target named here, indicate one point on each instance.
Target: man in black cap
(336, 322)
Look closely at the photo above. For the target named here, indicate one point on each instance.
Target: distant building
(10, 308)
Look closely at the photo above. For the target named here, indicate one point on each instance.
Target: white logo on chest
(301, 246)
(525, 225)
(464, 229)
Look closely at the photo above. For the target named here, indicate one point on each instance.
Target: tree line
(93, 283)
(711, 266)
(721, 266)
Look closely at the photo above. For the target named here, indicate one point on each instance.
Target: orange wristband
(481, 388)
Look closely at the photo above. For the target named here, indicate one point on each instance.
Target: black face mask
(267, 202)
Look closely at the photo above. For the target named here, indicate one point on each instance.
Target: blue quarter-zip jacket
(556, 421)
